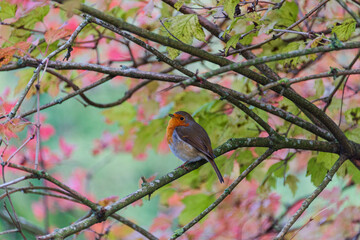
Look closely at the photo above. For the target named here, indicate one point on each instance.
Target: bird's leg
(183, 166)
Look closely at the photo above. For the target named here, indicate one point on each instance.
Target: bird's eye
(181, 118)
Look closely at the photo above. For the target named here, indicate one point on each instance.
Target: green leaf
(179, 3)
(328, 159)
(316, 170)
(43, 47)
(165, 193)
(184, 28)
(152, 134)
(244, 158)
(191, 101)
(121, 13)
(344, 30)
(33, 17)
(253, 17)
(286, 15)
(295, 61)
(123, 114)
(270, 182)
(247, 40)
(292, 181)
(7, 10)
(166, 10)
(319, 86)
(28, 21)
(353, 171)
(232, 42)
(229, 7)
(353, 135)
(205, 107)
(194, 205)
(352, 115)
(278, 169)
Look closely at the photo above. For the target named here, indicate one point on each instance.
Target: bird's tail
(213, 164)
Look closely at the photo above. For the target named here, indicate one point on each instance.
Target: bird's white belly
(183, 150)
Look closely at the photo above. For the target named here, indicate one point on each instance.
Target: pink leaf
(38, 210)
(46, 131)
(66, 148)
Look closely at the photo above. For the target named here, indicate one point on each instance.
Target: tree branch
(354, 15)
(40, 66)
(311, 198)
(151, 187)
(25, 224)
(288, 82)
(226, 192)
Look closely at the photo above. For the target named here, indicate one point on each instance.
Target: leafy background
(103, 153)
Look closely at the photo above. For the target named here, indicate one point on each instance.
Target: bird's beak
(171, 115)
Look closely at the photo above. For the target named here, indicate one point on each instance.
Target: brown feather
(196, 136)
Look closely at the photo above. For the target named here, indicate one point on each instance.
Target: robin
(189, 141)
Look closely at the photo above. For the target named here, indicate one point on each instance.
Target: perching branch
(151, 187)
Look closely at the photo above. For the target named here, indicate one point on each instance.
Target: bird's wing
(197, 137)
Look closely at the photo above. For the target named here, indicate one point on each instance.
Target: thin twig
(170, 32)
(289, 82)
(38, 124)
(331, 95)
(17, 180)
(280, 34)
(126, 96)
(226, 193)
(39, 68)
(25, 189)
(306, 34)
(25, 224)
(15, 220)
(159, 55)
(311, 198)
(354, 15)
(46, 176)
(19, 148)
(134, 226)
(9, 231)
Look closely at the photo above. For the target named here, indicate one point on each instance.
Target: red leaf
(6, 54)
(22, 47)
(9, 129)
(66, 148)
(16, 125)
(141, 157)
(55, 34)
(137, 203)
(38, 210)
(46, 131)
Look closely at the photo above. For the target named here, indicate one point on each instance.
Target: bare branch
(311, 198)
(354, 15)
(25, 224)
(226, 192)
(39, 68)
(17, 180)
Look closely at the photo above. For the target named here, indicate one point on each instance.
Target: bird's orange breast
(173, 123)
